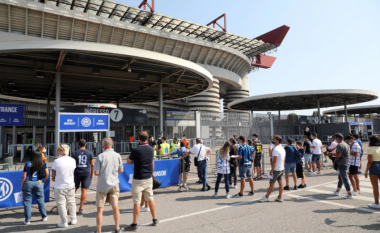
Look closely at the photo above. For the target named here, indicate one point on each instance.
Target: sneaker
(309, 170)
(118, 231)
(235, 187)
(260, 178)
(62, 225)
(313, 174)
(73, 222)
(336, 193)
(295, 187)
(359, 192)
(304, 185)
(251, 193)
(204, 190)
(208, 187)
(143, 209)
(354, 193)
(199, 182)
(264, 199)
(228, 196)
(301, 186)
(155, 222)
(374, 205)
(332, 167)
(319, 172)
(80, 211)
(279, 199)
(286, 188)
(131, 228)
(256, 178)
(45, 219)
(325, 161)
(335, 173)
(215, 195)
(238, 195)
(348, 196)
(25, 223)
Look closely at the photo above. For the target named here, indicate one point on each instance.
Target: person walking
(64, 186)
(343, 161)
(223, 169)
(245, 167)
(290, 163)
(317, 152)
(35, 174)
(142, 158)
(373, 166)
(233, 163)
(308, 154)
(200, 151)
(84, 171)
(257, 162)
(107, 168)
(277, 171)
(354, 164)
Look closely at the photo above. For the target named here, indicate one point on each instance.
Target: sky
(331, 44)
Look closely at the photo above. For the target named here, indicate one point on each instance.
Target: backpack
(298, 155)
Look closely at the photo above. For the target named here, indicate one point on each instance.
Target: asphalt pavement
(313, 209)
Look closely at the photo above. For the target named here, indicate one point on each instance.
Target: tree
(293, 117)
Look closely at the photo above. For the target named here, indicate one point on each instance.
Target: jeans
(38, 189)
(225, 182)
(233, 174)
(343, 179)
(61, 195)
(202, 172)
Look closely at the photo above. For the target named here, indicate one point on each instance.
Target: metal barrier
(11, 149)
(4, 164)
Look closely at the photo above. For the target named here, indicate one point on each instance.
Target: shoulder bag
(196, 158)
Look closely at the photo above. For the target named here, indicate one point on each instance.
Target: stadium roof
(299, 100)
(356, 110)
(122, 12)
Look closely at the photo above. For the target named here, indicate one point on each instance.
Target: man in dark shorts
(84, 171)
(257, 161)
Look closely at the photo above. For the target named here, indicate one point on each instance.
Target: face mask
(335, 141)
(44, 150)
(306, 130)
(350, 143)
(152, 139)
(183, 138)
(312, 137)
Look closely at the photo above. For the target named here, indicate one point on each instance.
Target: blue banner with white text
(11, 115)
(10, 187)
(166, 171)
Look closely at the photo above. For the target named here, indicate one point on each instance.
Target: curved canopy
(96, 74)
(299, 100)
(356, 110)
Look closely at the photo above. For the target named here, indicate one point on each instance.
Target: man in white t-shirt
(200, 152)
(277, 171)
(317, 152)
(64, 186)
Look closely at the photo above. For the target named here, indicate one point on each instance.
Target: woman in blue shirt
(35, 174)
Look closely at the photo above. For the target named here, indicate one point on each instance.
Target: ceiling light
(40, 74)
(12, 83)
(100, 89)
(14, 89)
(142, 76)
(93, 94)
(129, 68)
(95, 71)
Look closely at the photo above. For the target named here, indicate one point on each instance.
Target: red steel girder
(145, 3)
(215, 22)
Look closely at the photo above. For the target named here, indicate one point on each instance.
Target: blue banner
(11, 115)
(166, 171)
(360, 123)
(83, 122)
(10, 184)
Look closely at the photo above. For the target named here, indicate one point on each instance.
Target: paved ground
(313, 209)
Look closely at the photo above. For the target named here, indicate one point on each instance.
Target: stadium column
(161, 110)
(14, 142)
(57, 109)
(44, 135)
(34, 137)
(319, 116)
(271, 125)
(345, 112)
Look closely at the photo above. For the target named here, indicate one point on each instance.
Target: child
(299, 169)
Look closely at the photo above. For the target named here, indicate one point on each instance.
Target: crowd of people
(71, 173)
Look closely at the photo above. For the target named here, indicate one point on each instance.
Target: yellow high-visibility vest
(173, 147)
(165, 149)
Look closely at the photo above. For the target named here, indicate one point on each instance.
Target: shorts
(299, 171)
(112, 197)
(307, 158)
(353, 170)
(290, 168)
(316, 158)
(257, 161)
(277, 175)
(142, 186)
(82, 181)
(245, 172)
(187, 168)
(375, 168)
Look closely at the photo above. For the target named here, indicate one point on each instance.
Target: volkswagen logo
(6, 188)
(86, 122)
